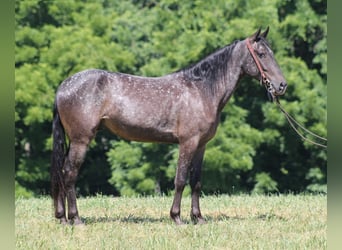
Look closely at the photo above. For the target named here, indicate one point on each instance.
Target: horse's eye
(261, 55)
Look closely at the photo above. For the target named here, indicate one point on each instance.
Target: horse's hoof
(78, 222)
(201, 221)
(177, 220)
(63, 221)
(198, 220)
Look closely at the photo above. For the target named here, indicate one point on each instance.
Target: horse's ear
(264, 34)
(255, 36)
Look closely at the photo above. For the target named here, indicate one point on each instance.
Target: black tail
(58, 155)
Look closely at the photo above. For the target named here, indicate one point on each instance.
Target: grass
(234, 222)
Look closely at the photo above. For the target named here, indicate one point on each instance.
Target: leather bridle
(264, 80)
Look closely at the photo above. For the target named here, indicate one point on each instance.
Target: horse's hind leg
(72, 165)
(60, 207)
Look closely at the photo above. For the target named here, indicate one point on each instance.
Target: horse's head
(261, 64)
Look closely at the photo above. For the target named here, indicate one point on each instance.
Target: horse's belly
(141, 132)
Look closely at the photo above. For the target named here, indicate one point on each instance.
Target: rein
(292, 121)
(289, 118)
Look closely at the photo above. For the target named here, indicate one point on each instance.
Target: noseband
(264, 80)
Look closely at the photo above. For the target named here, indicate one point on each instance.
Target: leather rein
(264, 80)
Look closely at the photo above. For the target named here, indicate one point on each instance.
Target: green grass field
(234, 222)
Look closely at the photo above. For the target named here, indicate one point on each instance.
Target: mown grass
(234, 222)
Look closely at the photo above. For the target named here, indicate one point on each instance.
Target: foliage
(264, 183)
(21, 192)
(136, 167)
(254, 148)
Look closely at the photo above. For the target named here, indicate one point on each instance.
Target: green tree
(254, 149)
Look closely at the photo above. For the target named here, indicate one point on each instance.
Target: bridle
(267, 83)
(263, 80)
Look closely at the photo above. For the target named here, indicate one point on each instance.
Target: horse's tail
(58, 155)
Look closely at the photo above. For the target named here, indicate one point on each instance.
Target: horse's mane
(210, 69)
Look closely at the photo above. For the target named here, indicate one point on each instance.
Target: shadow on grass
(131, 219)
(224, 217)
(127, 219)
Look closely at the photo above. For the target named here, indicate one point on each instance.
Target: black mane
(212, 68)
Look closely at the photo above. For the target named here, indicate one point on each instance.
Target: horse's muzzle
(282, 88)
(273, 91)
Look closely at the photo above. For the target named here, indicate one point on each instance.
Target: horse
(182, 107)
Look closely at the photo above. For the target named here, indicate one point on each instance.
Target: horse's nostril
(282, 86)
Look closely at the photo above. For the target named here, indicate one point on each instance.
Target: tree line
(254, 149)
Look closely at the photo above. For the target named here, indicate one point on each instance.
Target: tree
(254, 149)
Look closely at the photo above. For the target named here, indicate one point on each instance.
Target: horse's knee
(196, 186)
(179, 185)
(180, 179)
(70, 175)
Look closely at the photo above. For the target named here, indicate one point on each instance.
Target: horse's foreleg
(186, 153)
(195, 183)
(180, 181)
(74, 160)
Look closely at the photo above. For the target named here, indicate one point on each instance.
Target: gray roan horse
(182, 107)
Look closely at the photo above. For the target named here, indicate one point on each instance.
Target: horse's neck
(233, 75)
